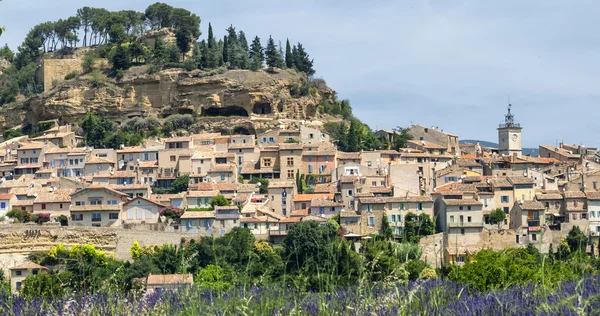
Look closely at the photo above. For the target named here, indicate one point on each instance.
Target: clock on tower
(509, 135)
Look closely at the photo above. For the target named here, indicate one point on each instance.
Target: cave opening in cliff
(243, 131)
(262, 108)
(225, 111)
(185, 111)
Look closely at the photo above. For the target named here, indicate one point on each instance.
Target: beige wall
(140, 211)
(276, 200)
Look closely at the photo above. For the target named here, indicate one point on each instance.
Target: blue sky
(451, 64)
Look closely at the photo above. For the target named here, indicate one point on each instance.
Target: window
(574, 216)
(267, 162)
(96, 217)
(309, 158)
(290, 174)
(419, 206)
(533, 237)
(43, 206)
(321, 210)
(146, 156)
(113, 216)
(290, 161)
(349, 193)
(18, 272)
(506, 210)
(130, 214)
(462, 231)
(451, 218)
(60, 205)
(34, 272)
(371, 221)
(271, 140)
(505, 199)
(139, 214)
(310, 168)
(173, 158)
(401, 206)
(460, 208)
(369, 208)
(583, 216)
(393, 218)
(373, 183)
(468, 219)
(311, 136)
(460, 259)
(468, 208)
(3, 205)
(77, 217)
(222, 176)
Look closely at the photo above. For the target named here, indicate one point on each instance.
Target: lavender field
(432, 297)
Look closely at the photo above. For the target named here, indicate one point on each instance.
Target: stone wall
(56, 69)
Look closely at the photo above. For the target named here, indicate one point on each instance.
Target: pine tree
(302, 61)
(232, 48)
(242, 52)
(271, 54)
(203, 48)
(220, 53)
(280, 61)
(256, 55)
(159, 54)
(289, 58)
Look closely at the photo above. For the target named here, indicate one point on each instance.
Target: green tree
(49, 285)
(218, 200)
(302, 61)
(214, 278)
(387, 231)
(88, 62)
(180, 184)
(121, 60)
(289, 58)
(497, 216)
(400, 138)
(242, 51)
(97, 130)
(264, 184)
(417, 226)
(271, 54)
(158, 15)
(576, 240)
(212, 50)
(20, 215)
(257, 55)
(159, 53)
(354, 138)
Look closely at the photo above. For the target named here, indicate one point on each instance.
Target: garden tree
(97, 129)
(218, 200)
(219, 53)
(289, 58)
(302, 61)
(88, 62)
(187, 29)
(180, 184)
(256, 55)
(121, 59)
(387, 231)
(62, 219)
(171, 212)
(235, 248)
(417, 226)
(177, 122)
(214, 278)
(22, 216)
(264, 184)
(400, 138)
(576, 240)
(497, 216)
(414, 269)
(271, 54)
(47, 284)
(158, 15)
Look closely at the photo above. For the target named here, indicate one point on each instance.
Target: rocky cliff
(233, 101)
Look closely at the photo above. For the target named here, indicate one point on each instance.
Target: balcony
(96, 219)
(465, 224)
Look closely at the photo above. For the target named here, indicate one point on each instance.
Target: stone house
(309, 135)
(7, 202)
(398, 207)
(319, 161)
(303, 201)
(282, 195)
(350, 221)
(201, 223)
(552, 201)
(226, 217)
(527, 218)
(427, 147)
(593, 207)
(97, 165)
(575, 208)
(56, 202)
(173, 163)
(290, 157)
(260, 226)
(168, 281)
(133, 190)
(200, 199)
(97, 206)
(19, 273)
(436, 136)
(371, 211)
(344, 158)
(30, 157)
(324, 207)
(141, 210)
(460, 215)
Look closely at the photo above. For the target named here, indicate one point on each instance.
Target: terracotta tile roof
(325, 188)
(58, 196)
(520, 180)
(65, 150)
(241, 146)
(368, 194)
(148, 164)
(281, 184)
(320, 202)
(381, 190)
(30, 145)
(428, 145)
(548, 196)
(290, 220)
(130, 149)
(574, 195)
(177, 139)
(388, 152)
(348, 179)
(164, 279)
(101, 187)
(29, 166)
(501, 183)
(348, 213)
(465, 163)
(94, 208)
(296, 213)
(6, 196)
(395, 199)
(290, 146)
(467, 202)
(23, 203)
(222, 168)
(98, 160)
(248, 187)
(258, 219)
(205, 136)
(28, 266)
(223, 154)
(197, 194)
(270, 149)
(310, 197)
(593, 195)
(532, 206)
(225, 186)
(348, 155)
(120, 187)
(145, 199)
(198, 214)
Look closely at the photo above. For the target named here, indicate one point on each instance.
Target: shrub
(218, 200)
(20, 215)
(63, 220)
(176, 122)
(42, 218)
(88, 62)
(97, 79)
(72, 75)
(171, 212)
(12, 133)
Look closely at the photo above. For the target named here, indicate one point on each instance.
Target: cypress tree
(232, 48)
(159, 54)
(203, 48)
(212, 60)
(280, 61)
(271, 54)
(289, 58)
(242, 51)
(256, 55)
(225, 49)
(353, 137)
(303, 62)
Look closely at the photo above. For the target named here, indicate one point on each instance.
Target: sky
(451, 64)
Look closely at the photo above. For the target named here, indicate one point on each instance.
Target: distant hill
(526, 151)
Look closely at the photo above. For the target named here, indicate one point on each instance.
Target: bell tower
(509, 135)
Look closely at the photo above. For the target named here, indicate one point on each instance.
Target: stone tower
(509, 135)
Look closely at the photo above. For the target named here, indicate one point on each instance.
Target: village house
(201, 222)
(19, 273)
(96, 206)
(168, 282)
(97, 165)
(593, 207)
(344, 158)
(527, 218)
(290, 157)
(133, 190)
(53, 201)
(435, 136)
(575, 209)
(303, 201)
(200, 199)
(282, 195)
(7, 202)
(324, 207)
(318, 161)
(30, 157)
(141, 210)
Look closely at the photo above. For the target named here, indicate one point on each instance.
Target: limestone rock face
(3, 65)
(252, 101)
